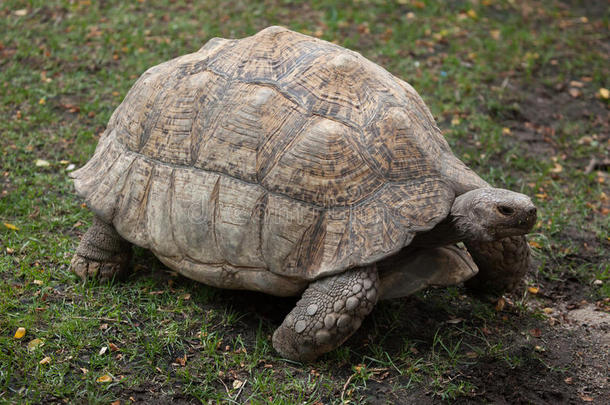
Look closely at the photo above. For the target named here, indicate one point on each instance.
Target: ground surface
(519, 88)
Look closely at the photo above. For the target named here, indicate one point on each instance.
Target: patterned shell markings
(275, 151)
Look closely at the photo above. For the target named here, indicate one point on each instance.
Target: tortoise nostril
(532, 211)
(505, 210)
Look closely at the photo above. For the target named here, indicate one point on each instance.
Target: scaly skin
(102, 253)
(329, 311)
(502, 264)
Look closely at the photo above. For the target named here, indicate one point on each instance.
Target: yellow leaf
(19, 333)
(506, 131)
(471, 13)
(455, 120)
(45, 360)
(547, 310)
(104, 379)
(604, 93)
(557, 169)
(534, 244)
(11, 226)
(495, 34)
(533, 290)
(42, 101)
(35, 344)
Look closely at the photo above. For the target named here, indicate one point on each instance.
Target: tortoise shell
(270, 161)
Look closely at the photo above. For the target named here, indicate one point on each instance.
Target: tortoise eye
(505, 210)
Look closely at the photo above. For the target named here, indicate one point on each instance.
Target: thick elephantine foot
(502, 264)
(115, 267)
(329, 311)
(102, 253)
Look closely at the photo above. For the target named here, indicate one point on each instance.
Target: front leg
(502, 264)
(329, 311)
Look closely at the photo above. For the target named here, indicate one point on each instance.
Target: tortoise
(289, 165)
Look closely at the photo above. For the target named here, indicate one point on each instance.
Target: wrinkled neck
(444, 233)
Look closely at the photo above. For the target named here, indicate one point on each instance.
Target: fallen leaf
(455, 321)
(472, 355)
(495, 34)
(37, 282)
(586, 398)
(604, 93)
(534, 244)
(42, 101)
(11, 226)
(547, 310)
(41, 163)
(455, 120)
(539, 349)
(103, 350)
(557, 168)
(506, 131)
(45, 360)
(19, 333)
(533, 290)
(574, 92)
(104, 379)
(536, 332)
(237, 384)
(500, 304)
(113, 347)
(578, 84)
(186, 297)
(568, 380)
(35, 344)
(472, 14)
(117, 402)
(21, 12)
(84, 370)
(181, 360)
(70, 167)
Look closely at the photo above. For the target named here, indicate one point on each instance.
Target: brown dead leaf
(575, 83)
(113, 347)
(181, 360)
(536, 332)
(586, 398)
(534, 244)
(500, 304)
(117, 402)
(568, 380)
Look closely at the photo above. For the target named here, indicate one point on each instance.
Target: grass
(482, 67)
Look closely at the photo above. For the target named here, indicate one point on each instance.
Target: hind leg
(502, 264)
(102, 253)
(330, 311)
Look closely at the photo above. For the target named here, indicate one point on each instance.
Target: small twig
(345, 386)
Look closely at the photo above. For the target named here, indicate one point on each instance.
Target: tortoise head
(487, 214)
